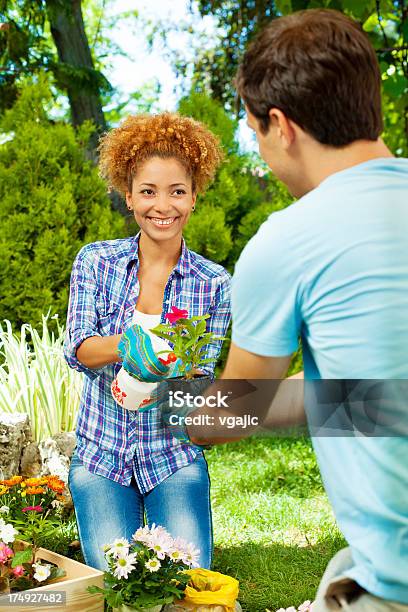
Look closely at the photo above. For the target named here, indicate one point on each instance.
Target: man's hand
(243, 365)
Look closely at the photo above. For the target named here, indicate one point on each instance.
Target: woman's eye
(147, 191)
(179, 192)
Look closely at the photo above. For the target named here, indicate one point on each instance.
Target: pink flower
(176, 314)
(5, 552)
(18, 570)
(32, 509)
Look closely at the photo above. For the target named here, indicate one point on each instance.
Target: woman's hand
(138, 356)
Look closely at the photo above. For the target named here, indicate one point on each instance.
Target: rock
(15, 434)
(66, 443)
(56, 453)
(30, 465)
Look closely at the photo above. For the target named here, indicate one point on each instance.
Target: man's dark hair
(319, 68)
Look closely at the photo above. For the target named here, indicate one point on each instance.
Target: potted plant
(147, 572)
(189, 340)
(31, 510)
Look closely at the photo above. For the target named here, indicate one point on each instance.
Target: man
(333, 269)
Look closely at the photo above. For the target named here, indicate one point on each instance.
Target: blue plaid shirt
(113, 442)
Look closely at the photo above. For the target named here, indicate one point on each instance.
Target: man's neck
(321, 162)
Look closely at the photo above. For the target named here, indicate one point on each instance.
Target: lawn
(274, 529)
(273, 526)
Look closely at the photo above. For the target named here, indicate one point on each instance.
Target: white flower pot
(129, 392)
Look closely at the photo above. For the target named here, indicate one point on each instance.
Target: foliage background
(52, 198)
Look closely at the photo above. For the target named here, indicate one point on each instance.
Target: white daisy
(142, 534)
(4, 510)
(153, 565)
(120, 547)
(124, 565)
(191, 555)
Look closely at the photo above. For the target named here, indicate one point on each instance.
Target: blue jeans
(106, 510)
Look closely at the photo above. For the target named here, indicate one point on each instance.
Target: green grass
(274, 529)
(273, 525)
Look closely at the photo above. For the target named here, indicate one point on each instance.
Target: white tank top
(147, 322)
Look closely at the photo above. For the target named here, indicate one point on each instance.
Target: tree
(25, 49)
(385, 21)
(240, 198)
(53, 202)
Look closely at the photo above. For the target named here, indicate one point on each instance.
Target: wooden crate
(74, 584)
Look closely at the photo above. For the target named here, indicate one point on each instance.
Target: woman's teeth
(162, 222)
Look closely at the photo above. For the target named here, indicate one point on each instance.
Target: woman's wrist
(99, 351)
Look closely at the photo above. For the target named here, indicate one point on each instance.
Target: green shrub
(241, 197)
(53, 202)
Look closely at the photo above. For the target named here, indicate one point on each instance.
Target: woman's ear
(128, 198)
(193, 201)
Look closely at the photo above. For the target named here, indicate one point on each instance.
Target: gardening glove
(138, 356)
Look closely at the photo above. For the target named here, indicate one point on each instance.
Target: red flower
(32, 508)
(171, 358)
(177, 314)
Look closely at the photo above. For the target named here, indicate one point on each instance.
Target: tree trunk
(68, 32)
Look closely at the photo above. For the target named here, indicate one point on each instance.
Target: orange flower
(12, 481)
(35, 482)
(56, 484)
(35, 490)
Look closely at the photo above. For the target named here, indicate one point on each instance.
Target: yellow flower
(36, 482)
(3, 489)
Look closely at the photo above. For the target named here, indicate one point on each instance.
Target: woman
(127, 467)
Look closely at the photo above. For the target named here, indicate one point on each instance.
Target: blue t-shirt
(333, 270)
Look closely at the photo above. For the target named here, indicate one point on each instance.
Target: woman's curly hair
(123, 149)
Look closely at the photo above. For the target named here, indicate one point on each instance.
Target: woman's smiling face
(162, 197)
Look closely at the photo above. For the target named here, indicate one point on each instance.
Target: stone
(15, 434)
(56, 453)
(30, 465)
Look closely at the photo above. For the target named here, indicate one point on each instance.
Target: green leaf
(404, 31)
(57, 572)
(284, 6)
(359, 9)
(22, 556)
(395, 85)
(201, 327)
(200, 318)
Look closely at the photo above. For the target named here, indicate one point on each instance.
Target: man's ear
(283, 126)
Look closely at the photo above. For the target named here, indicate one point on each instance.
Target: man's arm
(286, 407)
(242, 364)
